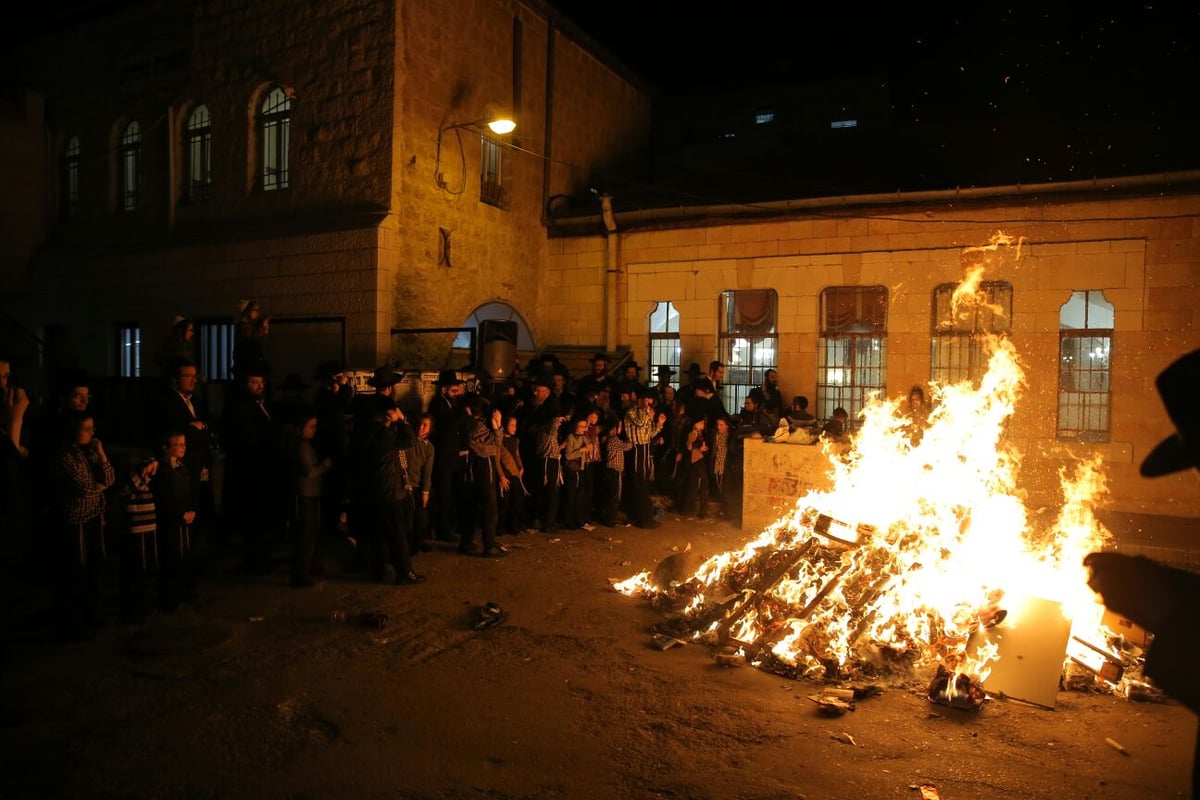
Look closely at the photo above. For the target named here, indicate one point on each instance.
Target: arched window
(130, 154)
(852, 352)
(274, 130)
(496, 311)
(70, 179)
(961, 327)
(748, 341)
(1084, 367)
(198, 146)
(664, 338)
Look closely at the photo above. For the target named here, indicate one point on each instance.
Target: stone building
(327, 160)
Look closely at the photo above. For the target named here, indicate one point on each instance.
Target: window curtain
(855, 310)
(754, 311)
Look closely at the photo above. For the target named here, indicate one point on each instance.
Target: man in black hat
(254, 500)
(1164, 599)
(687, 391)
(486, 478)
(449, 459)
(333, 401)
(383, 461)
(598, 380)
(364, 411)
(662, 375)
(633, 372)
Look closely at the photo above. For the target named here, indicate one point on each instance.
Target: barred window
(70, 179)
(216, 349)
(852, 352)
(274, 130)
(493, 172)
(129, 350)
(961, 327)
(198, 143)
(664, 339)
(1084, 367)
(748, 341)
(131, 167)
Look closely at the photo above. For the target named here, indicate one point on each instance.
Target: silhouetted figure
(1163, 599)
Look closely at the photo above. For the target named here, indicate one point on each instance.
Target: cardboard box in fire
(415, 389)
(1126, 628)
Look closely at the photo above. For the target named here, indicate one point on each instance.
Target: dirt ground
(258, 691)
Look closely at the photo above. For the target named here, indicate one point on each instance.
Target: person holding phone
(83, 473)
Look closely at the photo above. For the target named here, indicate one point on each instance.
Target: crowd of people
(358, 472)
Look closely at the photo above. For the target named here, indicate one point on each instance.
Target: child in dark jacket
(175, 505)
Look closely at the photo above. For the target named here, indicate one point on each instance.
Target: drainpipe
(548, 138)
(172, 168)
(612, 242)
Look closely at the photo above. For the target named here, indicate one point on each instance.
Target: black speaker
(497, 348)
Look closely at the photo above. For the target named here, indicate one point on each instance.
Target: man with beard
(184, 411)
(597, 380)
(449, 461)
(253, 503)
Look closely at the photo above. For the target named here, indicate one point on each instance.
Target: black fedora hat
(664, 371)
(384, 377)
(694, 369)
(448, 377)
(1177, 388)
(599, 357)
(327, 369)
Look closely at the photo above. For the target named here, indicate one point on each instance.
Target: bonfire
(921, 547)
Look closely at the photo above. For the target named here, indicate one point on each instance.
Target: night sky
(983, 95)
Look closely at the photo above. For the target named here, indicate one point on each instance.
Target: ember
(922, 543)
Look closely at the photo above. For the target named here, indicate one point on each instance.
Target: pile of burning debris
(775, 610)
(942, 571)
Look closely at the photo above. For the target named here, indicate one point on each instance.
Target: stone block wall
(776, 476)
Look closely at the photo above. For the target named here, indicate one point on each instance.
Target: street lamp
(498, 124)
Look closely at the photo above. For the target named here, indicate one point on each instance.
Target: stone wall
(776, 476)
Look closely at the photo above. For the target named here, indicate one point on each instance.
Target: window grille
(131, 167)
(129, 350)
(70, 178)
(664, 340)
(216, 349)
(493, 164)
(852, 352)
(748, 341)
(199, 154)
(959, 335)
(1085, 364)
(274, 128)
